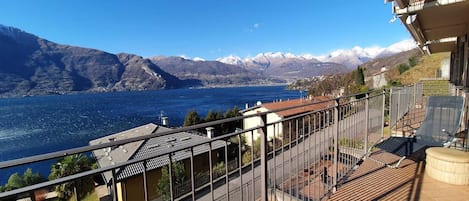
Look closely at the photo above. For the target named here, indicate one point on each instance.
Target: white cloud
(403, 45)
(254, 27)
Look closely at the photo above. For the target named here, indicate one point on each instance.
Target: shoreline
(104, 92)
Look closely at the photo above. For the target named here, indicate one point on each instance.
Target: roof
(434, 24)
(322, 102)
(140, 149)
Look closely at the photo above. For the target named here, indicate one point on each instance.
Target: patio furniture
(441, 123)
(442, 120)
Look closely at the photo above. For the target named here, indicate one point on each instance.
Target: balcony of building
(315, 149)
(328, 151)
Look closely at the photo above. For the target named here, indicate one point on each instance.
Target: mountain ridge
(351, 58)
(30, 65)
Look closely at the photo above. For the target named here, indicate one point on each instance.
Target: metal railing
(303, 156)
(402, 99)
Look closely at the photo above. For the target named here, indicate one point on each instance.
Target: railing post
(171, 183)
(114, 185)
(390, 111)
(335, 168)
(264, 150)
(211, 170)
(75, 192)
(397, 107)
(384, 117)
(145, 182)
(367, 110)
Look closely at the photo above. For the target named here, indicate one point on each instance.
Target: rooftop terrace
(316, 154)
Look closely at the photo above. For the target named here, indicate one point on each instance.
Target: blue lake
(37, 125)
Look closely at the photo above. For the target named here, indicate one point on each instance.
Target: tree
(246, 158)
(179, 177)
(232, 112)
(359, 76)
(255, 148)
(219, 170)
(31, 178)
(192, 118)
(15, 181)
(219, 115)
(403, 68)
(413, 61)
(70, 165)
(211, 116)
(232, 125)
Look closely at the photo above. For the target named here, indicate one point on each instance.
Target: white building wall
(253, 122)
(379, 80)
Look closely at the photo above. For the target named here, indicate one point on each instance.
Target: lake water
(37, 125)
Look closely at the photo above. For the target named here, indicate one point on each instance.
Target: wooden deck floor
(374, 181)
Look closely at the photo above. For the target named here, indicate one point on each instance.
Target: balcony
(315, 153)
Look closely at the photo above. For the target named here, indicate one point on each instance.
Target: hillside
(30, 65)
(426, 68)
(371, 67)
(375, 65)
(209, 73)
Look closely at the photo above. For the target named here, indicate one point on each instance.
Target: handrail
(83, 149)
(320, 127)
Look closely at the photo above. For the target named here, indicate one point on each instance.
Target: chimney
(165, 121)
(210, 132)
(247, 105)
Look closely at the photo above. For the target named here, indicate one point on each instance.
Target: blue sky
(207, 28)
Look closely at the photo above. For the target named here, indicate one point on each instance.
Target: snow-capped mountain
(284, 65)
(358, 55)
(348, 57)
(234, 60)
(264, 59)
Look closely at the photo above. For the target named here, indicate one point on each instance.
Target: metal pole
(273, 168)
(192, 174)
(398, 105)
(114, 185)
(336, 145)
(297, 157)
(226, 172)
(252, 168)
(383, 113)
(145, 182)
(264, 150)
(240, 165)
(75, 192)
(390, 109)
(171, 183)
(367, 110)
(210, 169)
